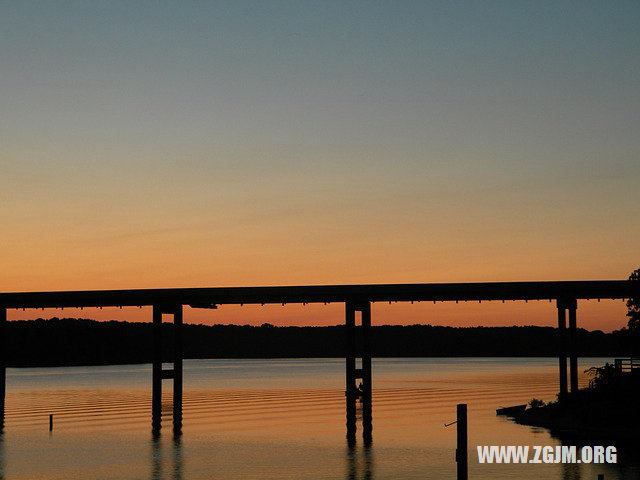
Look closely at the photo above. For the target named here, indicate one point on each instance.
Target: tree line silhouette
(71, 341)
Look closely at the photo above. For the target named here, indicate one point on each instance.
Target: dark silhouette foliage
(602, 376)
(633, 305)
(536, 403)
(69, 341)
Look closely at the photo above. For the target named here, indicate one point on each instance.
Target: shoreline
(83, 342)
(341, 358)
(600, 414)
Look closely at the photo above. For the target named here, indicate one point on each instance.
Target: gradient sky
(169, 144)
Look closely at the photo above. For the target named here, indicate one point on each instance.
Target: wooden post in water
(177, 370)
(3, 362)
(156, 388)
(572, 306)
(562, 355)
(461, 450)
(51, 422)
(350, 388)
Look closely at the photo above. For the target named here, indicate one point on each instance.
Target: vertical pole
(177, 370)
(573, 353)
(3, 362)
(156, 393)
(350, 392)
(461, 450)
(366, 372)
(562, 355)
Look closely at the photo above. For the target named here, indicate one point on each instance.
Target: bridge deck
(208, 297)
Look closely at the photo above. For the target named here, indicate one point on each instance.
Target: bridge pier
(353, 391)
(159, 374)
(562, 354)
(3, 363)
(572, 306)
(567, 344)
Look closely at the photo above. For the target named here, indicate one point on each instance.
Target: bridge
(357, 300)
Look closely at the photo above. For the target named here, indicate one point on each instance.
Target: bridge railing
(625, 365)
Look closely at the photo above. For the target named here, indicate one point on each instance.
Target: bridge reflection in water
(166, 464)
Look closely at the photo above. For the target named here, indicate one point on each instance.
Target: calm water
(277, 419)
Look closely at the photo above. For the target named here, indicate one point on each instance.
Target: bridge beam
(353, 391)
(159, 374)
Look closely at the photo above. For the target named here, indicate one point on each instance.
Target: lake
(279, 419)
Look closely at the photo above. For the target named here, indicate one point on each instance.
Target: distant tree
(633, 306)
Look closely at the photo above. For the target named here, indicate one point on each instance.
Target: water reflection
(231, 424)
(158, 466)
(359, 462)
(571, 471)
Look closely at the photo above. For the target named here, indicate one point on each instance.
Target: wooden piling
(51, 422)
(461, 450)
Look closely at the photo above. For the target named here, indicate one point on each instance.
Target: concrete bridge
(357, 300)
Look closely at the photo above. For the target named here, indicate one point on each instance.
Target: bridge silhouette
(357, 300)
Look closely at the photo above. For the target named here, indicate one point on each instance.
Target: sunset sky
(179, 144)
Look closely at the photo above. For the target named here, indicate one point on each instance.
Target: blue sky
(207, 143)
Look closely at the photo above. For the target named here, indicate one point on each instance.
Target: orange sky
(606, 315)
(164, 145)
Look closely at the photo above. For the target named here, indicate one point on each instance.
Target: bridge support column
(567, 346)
(367, 407)
(177, 370)
(562, 354)
(156, 390)
(159, 374)
(572, 306)
(353, 391)
(3, 362)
